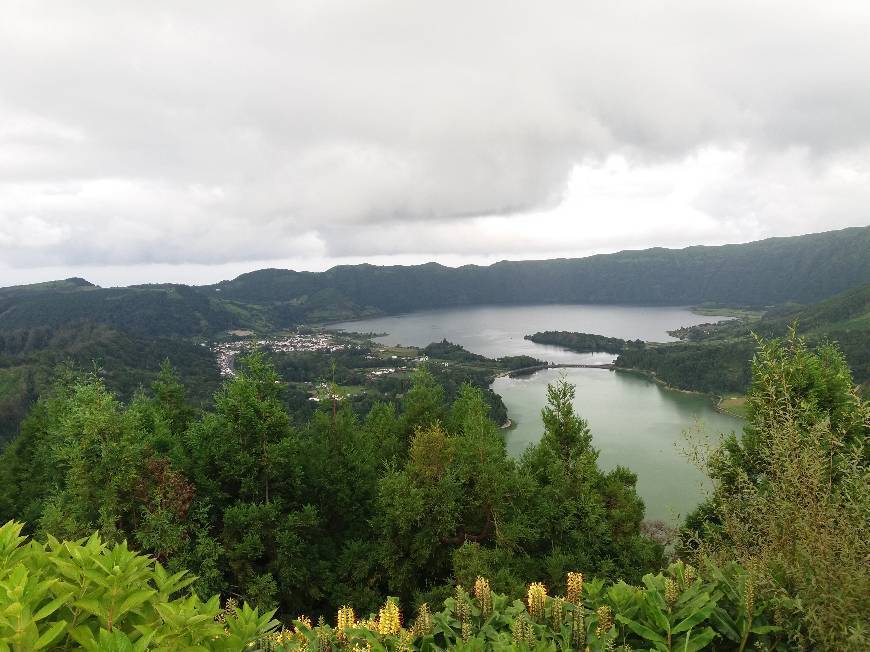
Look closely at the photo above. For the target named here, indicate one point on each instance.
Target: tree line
(421, 505)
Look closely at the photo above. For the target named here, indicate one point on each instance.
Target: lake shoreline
(634, 423)
(715, 399)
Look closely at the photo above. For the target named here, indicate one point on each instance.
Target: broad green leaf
(49, 635)
(764, 629)
(134, 600)
(91, 606)
(698, 641)
(641, 630)
(50, 607)
(691, 621)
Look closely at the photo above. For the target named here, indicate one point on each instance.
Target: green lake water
(634, 421)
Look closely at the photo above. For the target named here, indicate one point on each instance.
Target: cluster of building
(384, 371)
(226, 352)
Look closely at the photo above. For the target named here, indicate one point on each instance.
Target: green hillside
(129, 330)
(158, 310)
(802, 269)
(716, 359)
(29, 360)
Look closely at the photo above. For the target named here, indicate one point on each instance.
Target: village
(321, 342)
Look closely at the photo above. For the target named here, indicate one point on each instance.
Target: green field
(745, 314)
(733, 405)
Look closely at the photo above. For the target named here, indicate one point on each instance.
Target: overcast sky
(193, 141)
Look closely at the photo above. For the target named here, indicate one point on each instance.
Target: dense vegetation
(713, 367)
(764, 273)
(423, 504)
(306, 518)
(451, 365)
(89, 595)
(716, 358)
(92, 595)
(582, 342)
(406, 489)
(792, 495)
(150, 311)
(29, 359)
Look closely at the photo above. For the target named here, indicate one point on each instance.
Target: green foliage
(678, 610)
(791, 495)
(582, 342)
(716, 358)
(29, 361)
(711, 367)
(445, 350)
(420, 497)
(88, 595)
(147, 310)
(582, 516)
(304, 518)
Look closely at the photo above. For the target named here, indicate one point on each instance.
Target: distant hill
(29, 360)
(802, 269)
(66, 285)
(158, 310)
(129, 330)
(844, 312)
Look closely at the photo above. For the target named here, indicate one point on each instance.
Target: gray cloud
(208, 132)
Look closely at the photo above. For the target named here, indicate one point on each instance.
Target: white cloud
(187, 134)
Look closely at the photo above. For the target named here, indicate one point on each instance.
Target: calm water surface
(634, 422)
(495, 331)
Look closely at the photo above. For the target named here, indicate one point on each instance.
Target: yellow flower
(557, 615)
(305, 621)
(423, 625)
(578, 628)
(521, 629)
(574, 594)
(749, 595)
(672, 592)
(406, 640)
(690, 574)
(537, 599)
(389, 618)
(369, 624)
(484, 596)
(346, 618)
(605, 620)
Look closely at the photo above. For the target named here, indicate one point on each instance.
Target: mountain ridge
(797, 269)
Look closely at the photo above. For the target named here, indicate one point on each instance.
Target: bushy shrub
(88, 595)
(792, 495)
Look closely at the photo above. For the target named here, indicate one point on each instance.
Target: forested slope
(29, 360)
(802, 269)
(151, 311)
(129, 329)
(420, 506)
(717, 359)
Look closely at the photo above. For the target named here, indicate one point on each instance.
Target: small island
(584, 342)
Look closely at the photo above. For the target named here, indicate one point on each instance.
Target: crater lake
(635, 422)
